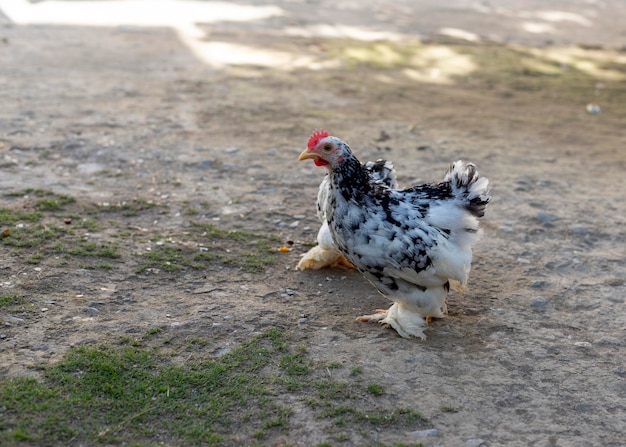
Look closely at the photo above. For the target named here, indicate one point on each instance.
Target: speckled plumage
(326, 254)
(407, 242)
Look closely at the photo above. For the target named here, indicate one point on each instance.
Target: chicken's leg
(403, 319)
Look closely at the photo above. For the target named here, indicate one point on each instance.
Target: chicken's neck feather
(350, 179)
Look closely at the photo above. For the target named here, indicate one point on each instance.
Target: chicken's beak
(306, 154)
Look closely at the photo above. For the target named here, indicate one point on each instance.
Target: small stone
(539, 303)
(425, 433)
(290, 292)
(3, 336)
(614, 282)
(92, 311)
(221, 351)
(176, 325)
(303, 320)
(579, 229)
(538, 284)
(95, 303)
(593, 109)
(205, 164)
(294, 224)
(475, 442)
(546, 218)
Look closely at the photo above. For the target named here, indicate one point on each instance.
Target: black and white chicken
(326, 253)
(408, 243)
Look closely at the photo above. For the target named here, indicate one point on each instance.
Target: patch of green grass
(104, 266)
(250, 252)
(54, 203)
(88, 224)
(295, 364)
(356, 371)
(47, 200)
(153, 330)
(12, 299)
(33, 236)
(165, 257)
(195, 343)
(375, 389)
(35, 258)
(331, 389)
(35, 192)
(9, 216)
(130, 208)
(86, 248)
(115, 395)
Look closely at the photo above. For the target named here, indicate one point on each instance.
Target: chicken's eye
(327, 148)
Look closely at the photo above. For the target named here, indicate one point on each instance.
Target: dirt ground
(209, 131)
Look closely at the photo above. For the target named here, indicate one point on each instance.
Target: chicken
(408, 243)
(326, 254)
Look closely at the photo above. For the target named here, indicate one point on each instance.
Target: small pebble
(539, 284)
(539, 303)
(303, 320)
(92, 311)
(593, 109)
(13, 319)
(579, 229)
(546, 218)
(425, 433)
(176, 325)
(475, 442)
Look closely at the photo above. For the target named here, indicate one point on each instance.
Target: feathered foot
(406, 323)
(444, 310)
(318, 257)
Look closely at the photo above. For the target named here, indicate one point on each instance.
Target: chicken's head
(324, 149)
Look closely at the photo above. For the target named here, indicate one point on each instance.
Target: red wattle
(320, 162)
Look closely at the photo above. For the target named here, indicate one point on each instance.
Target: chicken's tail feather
(468, 186)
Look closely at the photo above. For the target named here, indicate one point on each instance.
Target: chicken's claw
(378, 315)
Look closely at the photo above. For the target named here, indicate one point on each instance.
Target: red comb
(316, 136)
